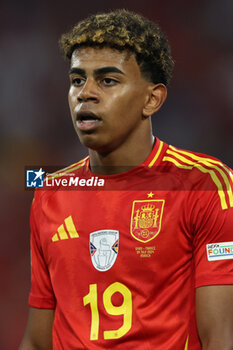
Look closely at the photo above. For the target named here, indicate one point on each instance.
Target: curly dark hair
(125, 30)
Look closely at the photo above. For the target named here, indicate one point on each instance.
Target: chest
(115, 231)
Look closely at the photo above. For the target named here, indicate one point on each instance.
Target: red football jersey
(120, 262)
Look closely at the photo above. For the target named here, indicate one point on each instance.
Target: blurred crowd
(36, 128)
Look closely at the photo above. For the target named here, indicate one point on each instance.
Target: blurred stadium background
(36, 128)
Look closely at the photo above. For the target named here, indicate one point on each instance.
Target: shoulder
(201, 172)
(53, 181)
(188, 159)
(73, 168)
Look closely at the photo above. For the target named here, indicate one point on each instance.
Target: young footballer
(145, 261)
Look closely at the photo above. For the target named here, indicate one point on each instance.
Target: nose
(88, 92)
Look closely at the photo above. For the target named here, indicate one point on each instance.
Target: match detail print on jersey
(104, 246)
(146, 219)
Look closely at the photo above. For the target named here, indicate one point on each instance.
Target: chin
(94, 143)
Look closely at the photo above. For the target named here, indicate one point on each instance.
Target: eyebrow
(110, 69)
(104, 70)
(77, 71)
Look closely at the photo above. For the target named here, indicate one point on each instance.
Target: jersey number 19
(124, 309)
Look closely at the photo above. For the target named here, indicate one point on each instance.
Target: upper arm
(38, 334)
(214, 312)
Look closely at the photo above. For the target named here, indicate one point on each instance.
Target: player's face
(106, 97)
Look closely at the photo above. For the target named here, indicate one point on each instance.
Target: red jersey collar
(153, 159)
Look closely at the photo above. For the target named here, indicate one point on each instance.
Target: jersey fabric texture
(120, 264)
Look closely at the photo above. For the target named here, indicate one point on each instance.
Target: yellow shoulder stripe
(214, 165)
(211, 163)
(204, 170)
(69, 169)
(193, 156)
(172, 160)
(157, 155)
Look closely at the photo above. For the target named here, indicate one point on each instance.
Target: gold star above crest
(150, 195)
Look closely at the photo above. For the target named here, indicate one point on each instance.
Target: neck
(128, 155)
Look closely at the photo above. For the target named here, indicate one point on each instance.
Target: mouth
(86, 121)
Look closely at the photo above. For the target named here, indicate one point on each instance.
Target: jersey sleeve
(213, 234)
(41, 293)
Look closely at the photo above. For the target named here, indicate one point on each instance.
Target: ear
(157, 94)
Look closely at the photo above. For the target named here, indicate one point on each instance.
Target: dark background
(36, 128)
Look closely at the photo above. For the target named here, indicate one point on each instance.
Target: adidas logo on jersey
(69, 232)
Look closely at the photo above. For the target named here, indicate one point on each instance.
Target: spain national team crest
(146, 219)
(104, 246)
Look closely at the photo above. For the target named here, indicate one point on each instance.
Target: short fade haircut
(125, 30)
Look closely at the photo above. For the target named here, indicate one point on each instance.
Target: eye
(109, 81)
(77, 81)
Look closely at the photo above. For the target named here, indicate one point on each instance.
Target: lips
(86, 120)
